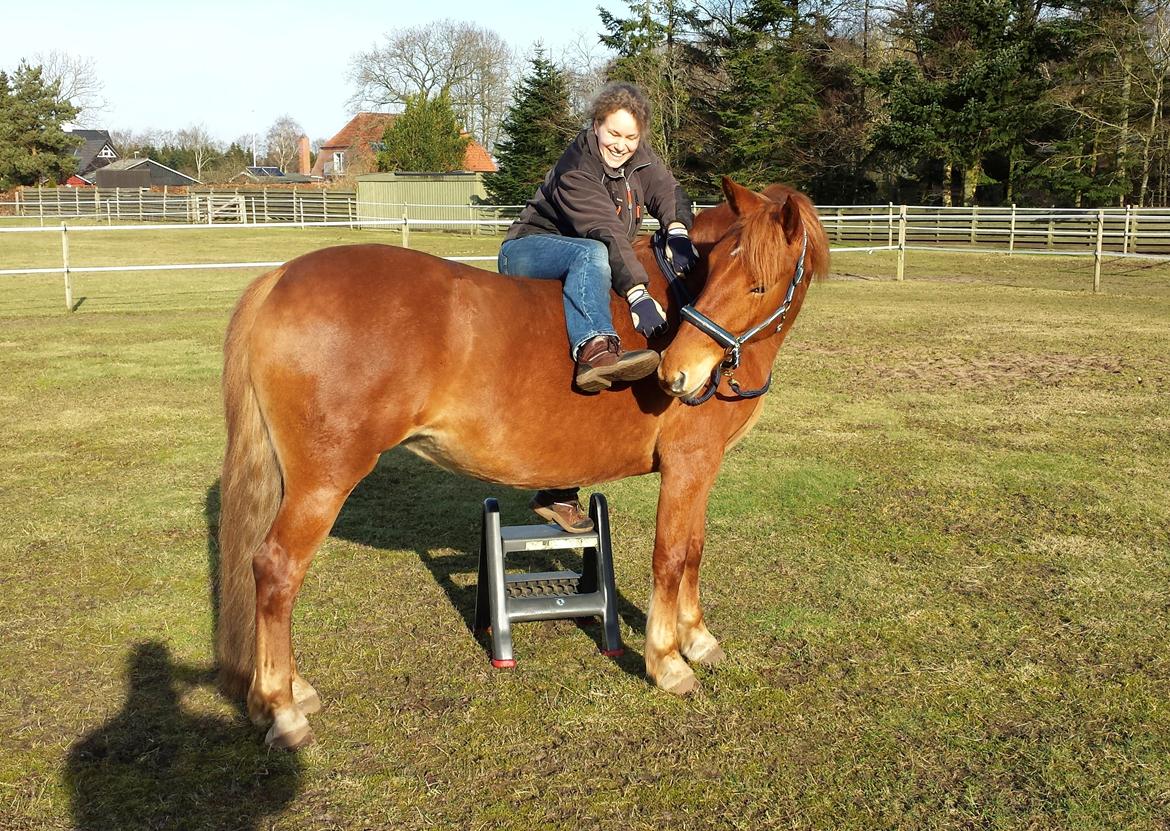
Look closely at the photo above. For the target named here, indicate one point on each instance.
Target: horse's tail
(250, 492)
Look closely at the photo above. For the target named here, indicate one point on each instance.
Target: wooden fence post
(405, 227)
(890, 224)
(65, 267)
(974, 223)
(1012, 232)
(1133, 227)
(41, 204)
(902, 244)
(1125, 231)
(1051, 227)
(1097, 252)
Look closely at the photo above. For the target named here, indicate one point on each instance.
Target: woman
(579, 228)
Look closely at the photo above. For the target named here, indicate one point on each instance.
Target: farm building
(435, 196)
(96, 152)
(139, 173)
(353, 151)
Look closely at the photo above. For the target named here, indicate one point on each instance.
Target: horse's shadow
(156, 765)
(406, 503)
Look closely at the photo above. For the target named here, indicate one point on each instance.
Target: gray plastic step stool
(502, 599)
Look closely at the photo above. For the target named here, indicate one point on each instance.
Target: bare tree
(282, 141)
(475, 66)
(79, 84)
(584, 62)
(199, 143)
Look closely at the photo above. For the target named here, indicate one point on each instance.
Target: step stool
(502, 599)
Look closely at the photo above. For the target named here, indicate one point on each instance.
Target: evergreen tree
(34, 147)
(651, 54)
(972, 95)
(769, 105)
(537, 128)
(425, 138)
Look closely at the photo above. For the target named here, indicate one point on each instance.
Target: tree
(283, 141)
(34, 147)
(424, 138)
(78, 84)
(650, 54)
(536, 130)
(472, 64)
(770, 106)
(197, 143)
(971, 91)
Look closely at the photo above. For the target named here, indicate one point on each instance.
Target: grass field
(939, 566)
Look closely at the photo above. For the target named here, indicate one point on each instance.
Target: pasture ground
(938, 565)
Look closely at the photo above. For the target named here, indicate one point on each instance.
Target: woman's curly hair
(621, 96)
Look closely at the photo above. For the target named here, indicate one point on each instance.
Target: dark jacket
(583, 197)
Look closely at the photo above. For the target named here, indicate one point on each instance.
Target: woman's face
(617, 137)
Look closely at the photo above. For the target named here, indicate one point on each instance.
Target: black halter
(731, 344)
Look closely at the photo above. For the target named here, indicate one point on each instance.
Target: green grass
(939, 567)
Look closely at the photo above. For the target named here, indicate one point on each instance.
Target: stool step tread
(542, 583)
(543, 538)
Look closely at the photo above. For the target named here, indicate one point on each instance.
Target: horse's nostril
(680, 384)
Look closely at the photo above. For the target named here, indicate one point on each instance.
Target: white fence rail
(1102, 233)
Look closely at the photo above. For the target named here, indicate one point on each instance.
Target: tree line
(927, 101)
(943, 101)
(918, 101)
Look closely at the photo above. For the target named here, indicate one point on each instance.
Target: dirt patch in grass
(1004, 370)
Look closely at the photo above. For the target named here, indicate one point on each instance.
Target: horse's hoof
(306, 698)
(708, 655)
(258, 712)
(289, 732)
(679, 682)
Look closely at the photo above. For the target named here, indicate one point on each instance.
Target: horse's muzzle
(679, 385)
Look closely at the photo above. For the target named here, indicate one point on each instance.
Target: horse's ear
(742, 200)
(790, 219)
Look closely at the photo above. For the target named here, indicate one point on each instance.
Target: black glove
(680, 252)
(648, 317)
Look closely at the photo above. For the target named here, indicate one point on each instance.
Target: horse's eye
(758, 290)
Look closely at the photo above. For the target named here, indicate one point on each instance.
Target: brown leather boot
(601, 361)
(566, 513)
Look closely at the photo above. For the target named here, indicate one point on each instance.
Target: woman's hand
(680, 251)
(648, 317)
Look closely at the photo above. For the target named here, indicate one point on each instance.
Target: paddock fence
(1128, 230)
(1103, 233)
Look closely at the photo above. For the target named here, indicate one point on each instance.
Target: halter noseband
(731, 344)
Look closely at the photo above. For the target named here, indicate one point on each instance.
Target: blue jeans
(583, 266)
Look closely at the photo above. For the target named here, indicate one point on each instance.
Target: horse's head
(757, 242)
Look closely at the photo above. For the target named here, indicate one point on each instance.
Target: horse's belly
(535, 459)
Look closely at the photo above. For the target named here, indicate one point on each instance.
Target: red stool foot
(506, 663)
(613, 653)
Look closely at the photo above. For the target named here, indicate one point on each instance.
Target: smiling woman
(578, 228)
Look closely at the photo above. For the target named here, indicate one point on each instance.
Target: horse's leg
(682, 501)
(696, 642)
(306, 514)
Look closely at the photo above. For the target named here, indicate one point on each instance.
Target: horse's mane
(763, 238)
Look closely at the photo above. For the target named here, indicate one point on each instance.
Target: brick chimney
(303, 164)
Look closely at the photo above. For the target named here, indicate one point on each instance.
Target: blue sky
(235, 67)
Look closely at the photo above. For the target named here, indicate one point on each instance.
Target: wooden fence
(1124, 230)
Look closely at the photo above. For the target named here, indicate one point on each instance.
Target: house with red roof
(354, 150)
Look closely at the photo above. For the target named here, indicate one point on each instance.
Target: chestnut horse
(346, 352)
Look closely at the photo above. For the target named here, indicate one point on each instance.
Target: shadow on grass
(408, 504)
(155, 766)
